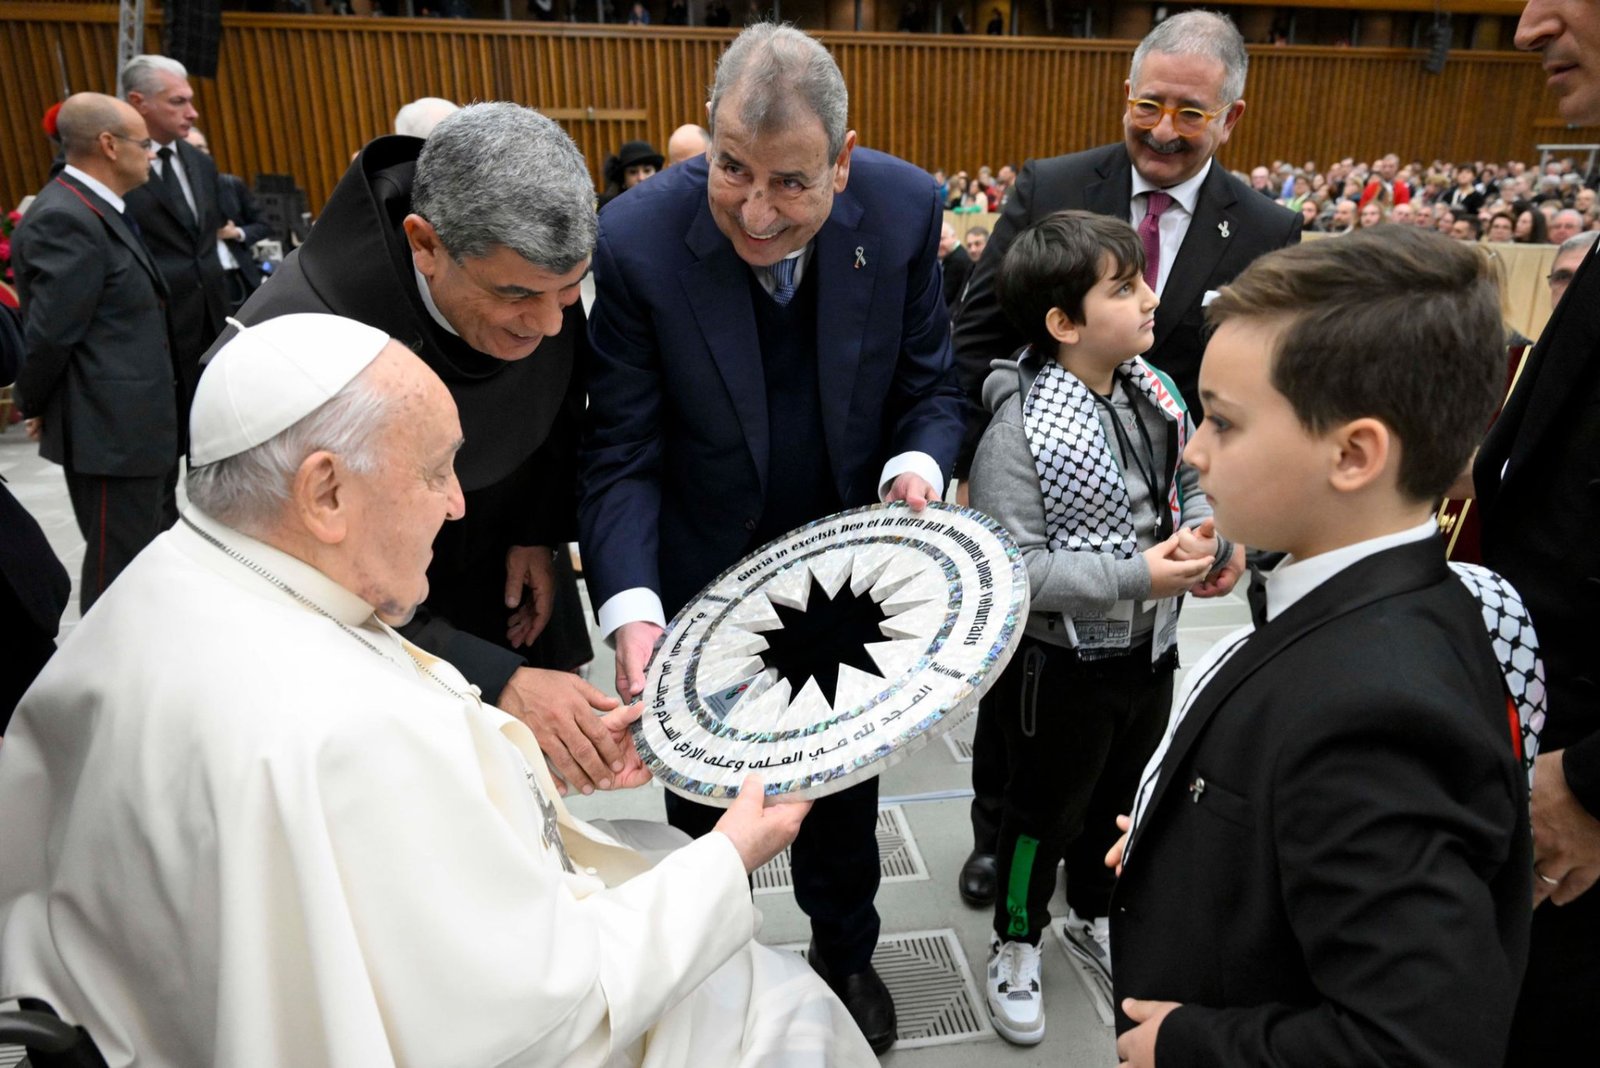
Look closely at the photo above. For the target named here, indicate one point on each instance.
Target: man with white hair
(178, 211)
(314, 843)
(1565, 225)
(418, 118)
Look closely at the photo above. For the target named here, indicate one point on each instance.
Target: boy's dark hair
(1055, 262)
(1393, 323)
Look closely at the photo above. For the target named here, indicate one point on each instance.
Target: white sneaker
(1090, 942)
(1016, 1002)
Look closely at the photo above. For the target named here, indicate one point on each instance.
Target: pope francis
(243, 822)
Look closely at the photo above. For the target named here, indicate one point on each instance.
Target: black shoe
(868, 1000)
(977, 880)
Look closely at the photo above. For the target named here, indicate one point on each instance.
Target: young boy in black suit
(1330, 859)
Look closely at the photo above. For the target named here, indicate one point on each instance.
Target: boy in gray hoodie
(1082, 463)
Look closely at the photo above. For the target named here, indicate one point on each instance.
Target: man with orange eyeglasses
(1200, 227)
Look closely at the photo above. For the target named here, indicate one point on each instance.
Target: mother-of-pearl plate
(953, 592)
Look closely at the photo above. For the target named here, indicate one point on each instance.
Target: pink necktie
(1155, 202)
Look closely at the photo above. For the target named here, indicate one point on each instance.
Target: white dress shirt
(97, 187)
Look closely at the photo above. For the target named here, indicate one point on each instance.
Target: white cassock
(239, 830)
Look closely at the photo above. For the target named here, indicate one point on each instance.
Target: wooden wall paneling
(299, 94)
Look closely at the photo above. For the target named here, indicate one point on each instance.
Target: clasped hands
(1184, 564)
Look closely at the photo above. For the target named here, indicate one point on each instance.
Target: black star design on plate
(814, 642)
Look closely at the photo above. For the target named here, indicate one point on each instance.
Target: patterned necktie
(783, 280)
(169, 177)
(1155, 203)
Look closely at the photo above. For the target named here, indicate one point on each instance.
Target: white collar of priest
(1187, 193)
(427, 301)
(344, 606)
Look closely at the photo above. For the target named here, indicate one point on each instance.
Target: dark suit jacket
(957, 270)
(1335, 867)
(518, 468)
(1540, 518)
(1101, 180)
(674, 474)
(235, 202)
(98, 364)
(186, 254)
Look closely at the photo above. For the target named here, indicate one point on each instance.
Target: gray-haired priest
(309, 842)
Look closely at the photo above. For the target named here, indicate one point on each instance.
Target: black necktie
(169, 176)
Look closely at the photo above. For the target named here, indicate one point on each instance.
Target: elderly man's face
(1585, 199)
(1562, 270)
(947, 240)
(1400, 213)
(169, 110)
(1258, 178)
(1160, 155)
(771, 192)
(396, 511)
(1344, 214)
(500, 304)
(1566, 224)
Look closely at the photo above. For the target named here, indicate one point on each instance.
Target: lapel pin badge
(861, 257)
(1222, 227)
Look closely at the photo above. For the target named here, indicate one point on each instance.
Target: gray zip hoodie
(1004, 483)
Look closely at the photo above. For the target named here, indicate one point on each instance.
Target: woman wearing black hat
(634, 162)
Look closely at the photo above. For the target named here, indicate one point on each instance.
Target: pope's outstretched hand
(759, 830)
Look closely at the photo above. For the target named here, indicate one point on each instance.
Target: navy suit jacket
(674, 469)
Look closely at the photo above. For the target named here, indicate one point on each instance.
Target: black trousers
(835, 864)
(118, 517)
(1558, 1013)
(988, 775)
(1077, 735)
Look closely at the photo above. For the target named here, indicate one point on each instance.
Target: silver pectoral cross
(552, 829)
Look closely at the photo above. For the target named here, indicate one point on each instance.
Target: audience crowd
(1477, 200)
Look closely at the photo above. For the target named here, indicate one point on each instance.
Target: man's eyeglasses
(1186, 121)
(145, 143)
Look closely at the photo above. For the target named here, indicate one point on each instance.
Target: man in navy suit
(770, 345)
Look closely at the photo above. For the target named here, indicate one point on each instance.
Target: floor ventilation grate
(899, 860)
(936, 1002)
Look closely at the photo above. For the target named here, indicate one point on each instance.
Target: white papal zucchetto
(270, 376)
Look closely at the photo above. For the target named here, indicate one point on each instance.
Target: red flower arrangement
(7, 226)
